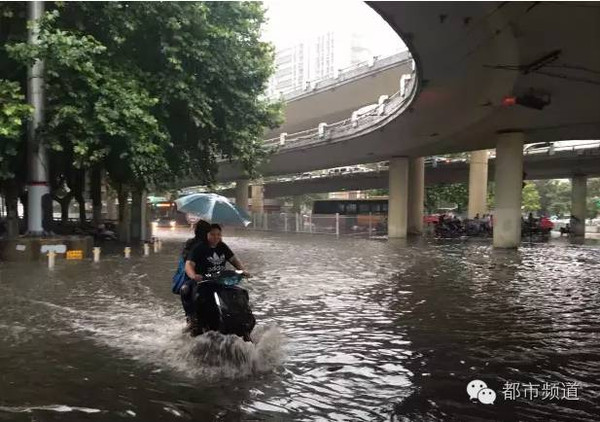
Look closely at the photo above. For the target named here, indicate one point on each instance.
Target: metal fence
(365, 225)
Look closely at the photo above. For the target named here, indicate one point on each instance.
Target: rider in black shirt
(211, 257)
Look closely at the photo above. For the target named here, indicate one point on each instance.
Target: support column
(509, 179)
(258, 199)
(241, 194)
(416, 195)
(478, 179)
(398, 200)
(578, 204)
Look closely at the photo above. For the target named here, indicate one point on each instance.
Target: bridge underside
(545, 167)
(469, 56)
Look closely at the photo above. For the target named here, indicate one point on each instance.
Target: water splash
(148, 332)
(214, 355)
(60, 408)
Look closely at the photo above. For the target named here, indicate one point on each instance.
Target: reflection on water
(347, 330)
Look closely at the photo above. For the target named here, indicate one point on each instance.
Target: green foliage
(377, 192)
(530, 198)
(444, 195)
(96, 114)
(13, 116)
(593, 197)
(204, 63)
(491, 196)
(555, 196)
(151, 91)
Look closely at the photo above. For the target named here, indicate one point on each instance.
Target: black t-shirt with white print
(210, 260)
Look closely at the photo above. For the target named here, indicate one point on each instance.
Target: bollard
(51, 259)
(96, 254)
(158, 245)
(146, 249)
(127, 252)
(337, 224)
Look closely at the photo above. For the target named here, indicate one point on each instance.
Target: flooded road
(347, 330)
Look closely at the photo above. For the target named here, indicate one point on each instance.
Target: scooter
(223, 306)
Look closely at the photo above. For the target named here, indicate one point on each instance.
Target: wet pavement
(348, 329)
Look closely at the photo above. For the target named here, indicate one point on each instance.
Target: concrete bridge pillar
(258, 203)
(509, 179)
(398, 199)
(241, 194)
(478, 178)
(578, 204)
(416, 194)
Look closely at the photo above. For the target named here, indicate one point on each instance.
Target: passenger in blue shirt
(187, 291)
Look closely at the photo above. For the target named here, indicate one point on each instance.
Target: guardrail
(386, 107)
(589, 146)
(362, 69)
(364, 225)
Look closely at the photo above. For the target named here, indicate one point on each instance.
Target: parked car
(431, 219)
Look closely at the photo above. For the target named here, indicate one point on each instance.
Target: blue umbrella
(213, 208)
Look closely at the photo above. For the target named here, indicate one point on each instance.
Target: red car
(546, 224)
(431, 218)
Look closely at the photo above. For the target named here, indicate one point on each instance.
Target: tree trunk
(96, 194)
(124, 229)
(77, 191)
(64, 208)
(23, 198)
(81, 201)
(12, 214)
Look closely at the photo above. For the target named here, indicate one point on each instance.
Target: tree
(555, 196)
(593, 197)
(205, 64)
(491, 195)
(14, 113)
(150, 92)
(531, 198)
(444, 195)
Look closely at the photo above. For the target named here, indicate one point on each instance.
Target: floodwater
(348, 330)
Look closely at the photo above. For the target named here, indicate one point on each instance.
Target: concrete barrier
(25, 249)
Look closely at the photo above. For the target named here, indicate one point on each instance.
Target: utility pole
(37, 183)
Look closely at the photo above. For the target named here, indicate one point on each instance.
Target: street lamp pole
(37, 183)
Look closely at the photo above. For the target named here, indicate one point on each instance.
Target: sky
(290, 21)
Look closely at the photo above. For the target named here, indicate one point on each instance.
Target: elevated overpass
(334, 99)
(488, 75)
(563, 163)
(469, 56)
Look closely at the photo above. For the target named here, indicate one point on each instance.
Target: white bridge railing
(366, 225)
(370, 119)
(355, 71)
